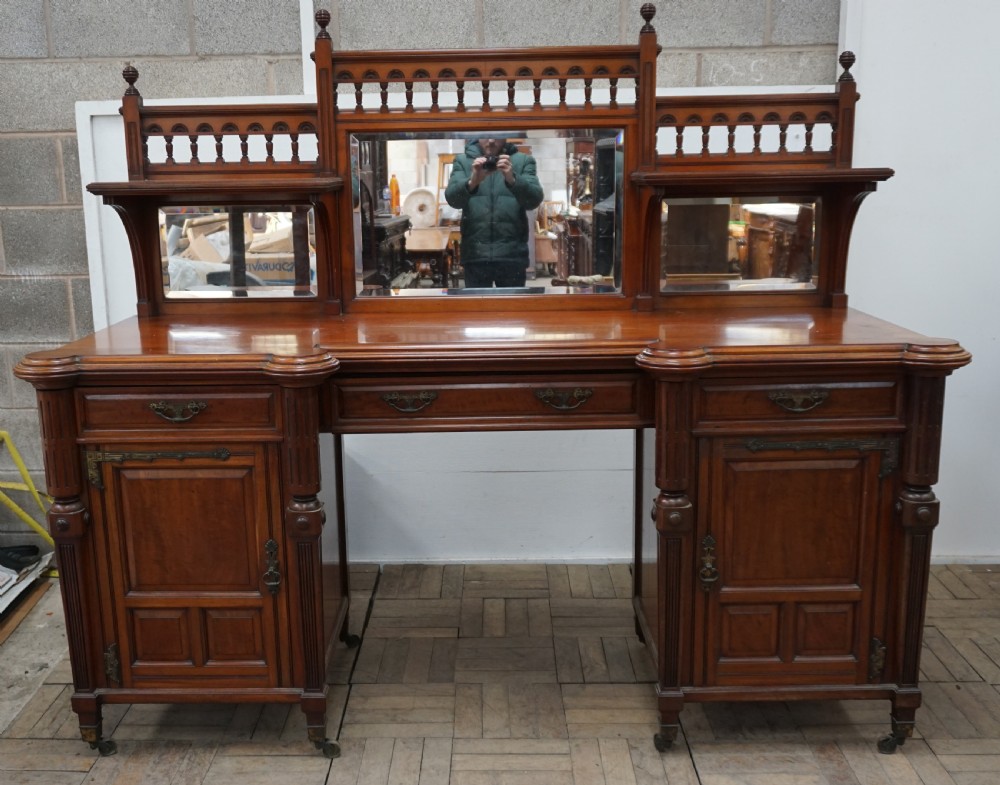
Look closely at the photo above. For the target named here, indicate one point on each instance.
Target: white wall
(923, 255)
(924, 252)
(515, 496)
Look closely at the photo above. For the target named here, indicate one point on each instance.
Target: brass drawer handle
(708, 574)
(799, 401)
(177, 412)
(271, 577)
(410, 403)
(564, 400)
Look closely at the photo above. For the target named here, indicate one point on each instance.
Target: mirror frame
(417, 125)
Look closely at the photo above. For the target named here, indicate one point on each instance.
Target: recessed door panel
(233, 635)
(161, 635)
(793, 523)
(824, 629)
(792, 531)
(750, 632)
(177, 525)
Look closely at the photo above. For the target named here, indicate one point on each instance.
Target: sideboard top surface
(424, 342)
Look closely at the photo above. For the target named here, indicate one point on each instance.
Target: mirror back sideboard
(793, 442)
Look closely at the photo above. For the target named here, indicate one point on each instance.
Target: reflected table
(430, 252)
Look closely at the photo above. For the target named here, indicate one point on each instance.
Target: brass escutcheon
(708, 574)
(271, 577)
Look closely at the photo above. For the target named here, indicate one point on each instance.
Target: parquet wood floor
(532, 675)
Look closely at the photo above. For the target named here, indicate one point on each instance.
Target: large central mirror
(487, 212)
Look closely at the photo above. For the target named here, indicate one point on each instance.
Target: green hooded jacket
(494, 220)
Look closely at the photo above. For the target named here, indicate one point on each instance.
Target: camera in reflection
(490, 164)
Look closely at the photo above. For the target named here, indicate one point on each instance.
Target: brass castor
(350, 640)
(888, 744)
(330, 748)
(661, 742)
(104, 747)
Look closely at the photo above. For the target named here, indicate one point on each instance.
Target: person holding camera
(494, 186)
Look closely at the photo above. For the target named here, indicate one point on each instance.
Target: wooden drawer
(607, 401)
(156, 409)
(798, 401)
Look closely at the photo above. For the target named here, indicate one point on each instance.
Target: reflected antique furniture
(430, 252)
(782, 549)
(696, 239)
(445, 163)
(384, 254)
(607, 208)
(775, 243)
(574, 245)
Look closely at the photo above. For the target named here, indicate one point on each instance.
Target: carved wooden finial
(322, 19)
(130, 74)
(647, 12)
(847, 59)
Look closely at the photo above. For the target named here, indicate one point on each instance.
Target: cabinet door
(189, 543)
(789, 530)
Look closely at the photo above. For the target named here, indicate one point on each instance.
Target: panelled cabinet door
(194, 564)
(788, 551)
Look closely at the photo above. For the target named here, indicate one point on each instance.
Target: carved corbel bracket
(131, 218)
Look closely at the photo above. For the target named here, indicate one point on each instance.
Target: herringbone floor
(525, 675)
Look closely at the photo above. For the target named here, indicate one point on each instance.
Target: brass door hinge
(95, 459)
(876, 659)
(888, 447)
(112, 664)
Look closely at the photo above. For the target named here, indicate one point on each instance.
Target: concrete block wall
(54, 53)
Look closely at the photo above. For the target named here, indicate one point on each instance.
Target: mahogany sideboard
(795, 440)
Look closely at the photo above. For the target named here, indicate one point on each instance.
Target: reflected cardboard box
(272, 267)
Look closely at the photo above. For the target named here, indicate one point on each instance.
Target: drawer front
(189, 408)
(810, 401)
(542, 399)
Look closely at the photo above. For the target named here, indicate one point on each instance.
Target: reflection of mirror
(572, 239)
(738, 244)
(246, 251)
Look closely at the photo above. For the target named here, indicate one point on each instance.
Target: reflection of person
(494, 185)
